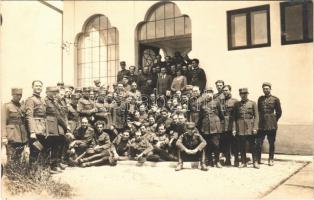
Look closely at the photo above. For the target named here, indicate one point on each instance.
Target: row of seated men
(71, 126)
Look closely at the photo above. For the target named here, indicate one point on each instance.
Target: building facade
(244, 43)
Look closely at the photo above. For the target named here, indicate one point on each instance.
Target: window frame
(247, 12)
(283, 6)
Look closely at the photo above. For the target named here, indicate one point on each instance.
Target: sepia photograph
(156, 100)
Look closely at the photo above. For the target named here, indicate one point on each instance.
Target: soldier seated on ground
(140, 149)
(191, 147)
(82, 139)
(120, 146)
(161, 146)
(100, 152)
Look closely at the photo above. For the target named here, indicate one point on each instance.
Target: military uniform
(211, 127)
(121, 145)
(35, 107)
(141, 146)
(56, 128)
(119, 116)
(194, 111)
(197, 77)
(269, 109)
(227, 140)
(15, 133)
(246, 118)
(84, 138)
(186, 141)
(121, 74)
(86, 107)
(73, 115)
(161, 149)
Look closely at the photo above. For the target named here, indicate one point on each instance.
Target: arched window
(97, 52)
(165, 20)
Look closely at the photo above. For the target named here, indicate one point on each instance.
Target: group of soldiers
(95, 125)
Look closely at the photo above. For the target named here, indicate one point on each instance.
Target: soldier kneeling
(191, 147)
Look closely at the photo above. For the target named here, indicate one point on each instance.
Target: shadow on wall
(293, 139)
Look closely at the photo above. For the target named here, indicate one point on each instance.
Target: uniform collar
(36, 95)
(16, 103)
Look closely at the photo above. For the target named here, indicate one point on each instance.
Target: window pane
(95, 69)
(103, 53)
(179, 26)
(103, 37)
(143, 32)
(93, 25)
(169, 27)
(259, 27)
(150, 30)
(111, 68)
(95, 38)
(294, 22)
(238, 30)
(177, 12)
(86, 70)
(160, 28)
(95, 53)
(152, 17)
(111, 52)
(187, 25)
(103, 69)
(111, 36)
(87, 40)
(309, 19)
(169, 10)
(103, 22)
(160, 12)
(87, 53)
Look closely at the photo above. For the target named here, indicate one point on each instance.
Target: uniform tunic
(229, 122)
(269, 109)
(36, 115)
(246, 116)
(211, 117)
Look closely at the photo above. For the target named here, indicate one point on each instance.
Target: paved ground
(298, 186)
(290, 178)
(128, 181)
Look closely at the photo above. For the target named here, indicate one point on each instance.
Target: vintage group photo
(156, 99)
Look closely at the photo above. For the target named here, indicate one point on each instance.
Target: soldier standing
(228, 143)
(123, 72)
(35, 107)
(269, 109)
(246, 117)
(56, 128)
(211, 117)
(197, 76)
(15, 137)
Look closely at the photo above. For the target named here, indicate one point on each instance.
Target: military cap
(16, 91)
(209, 89)
(60, 84)
(86, 89)
(78, 89)
(164, 110)
(122, 62)
(266, 84)
(190, 125)
(69, 86)
(125, 76)
(75, 96)
(114, 84)
(96, 81)
(52, 89)
(243, 90)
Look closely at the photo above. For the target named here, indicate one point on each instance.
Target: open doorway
(164, 31)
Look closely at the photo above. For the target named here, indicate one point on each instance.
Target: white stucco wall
(30, 46)
(288, 67)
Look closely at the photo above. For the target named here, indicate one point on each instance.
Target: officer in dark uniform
(35, 107)
(191, 147)
(15, 136)
(197, 76)
(123, 72)
(227, 140)
(269, 109)
(246, 118)
(56, 128)
(211, 117)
